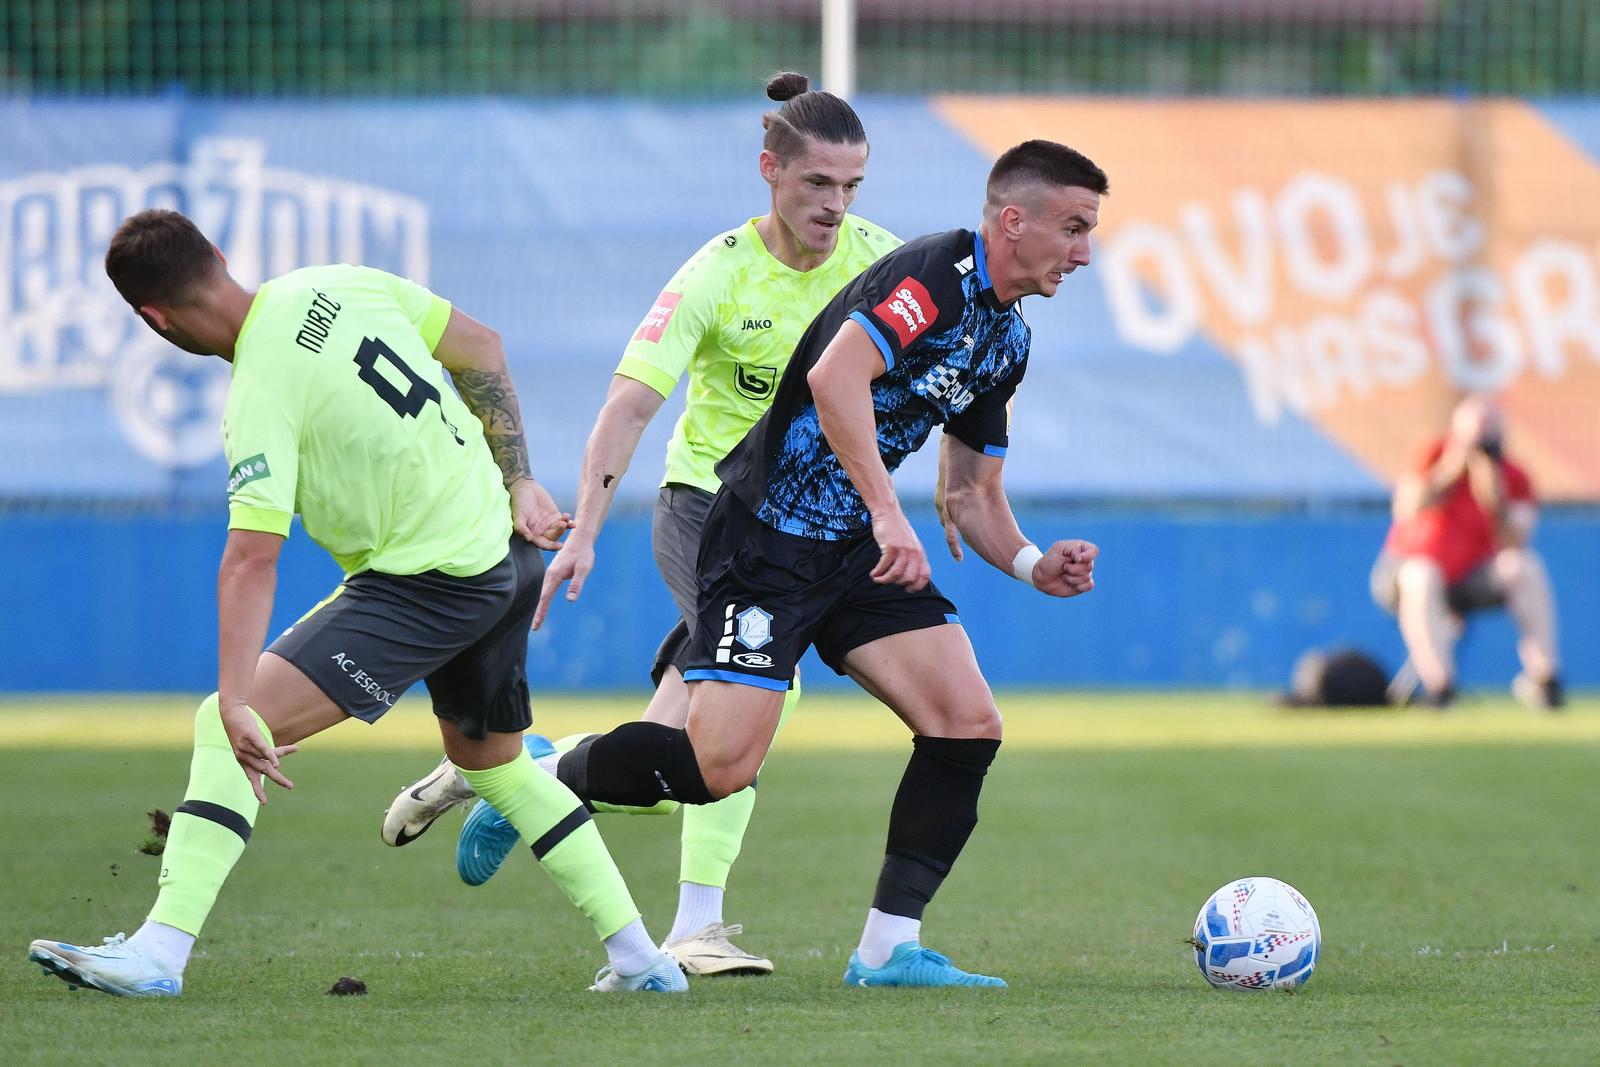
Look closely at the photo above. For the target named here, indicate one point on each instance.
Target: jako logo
(757, 324)
(753, 659)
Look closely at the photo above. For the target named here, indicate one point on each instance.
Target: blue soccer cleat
(663, 976)
(486, 837)
(912, 966)
(115, 967)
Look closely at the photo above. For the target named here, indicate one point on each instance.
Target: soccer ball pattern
(1257, 933)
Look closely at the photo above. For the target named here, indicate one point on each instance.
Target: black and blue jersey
(954, 354)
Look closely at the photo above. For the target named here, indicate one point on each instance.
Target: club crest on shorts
(755, 628)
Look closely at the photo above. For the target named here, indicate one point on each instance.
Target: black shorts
(378, 634)
(766, 596)
(1479, 590)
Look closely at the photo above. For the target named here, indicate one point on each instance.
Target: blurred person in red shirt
(1463, 519)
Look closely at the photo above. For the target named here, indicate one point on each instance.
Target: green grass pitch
(1454, 862)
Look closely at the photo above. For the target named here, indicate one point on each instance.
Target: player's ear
(155, 317)
(769, 167)
(1012, 218)
(220, 257)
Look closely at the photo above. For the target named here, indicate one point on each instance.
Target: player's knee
(973, 717)
(985, 722)
(1516, 566)
(1419, 577)
(723, 779)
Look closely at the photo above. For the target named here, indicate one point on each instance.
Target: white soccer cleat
(663, 976)
(708, 951)
(115, 967)
(423, 801)
(1537, 696)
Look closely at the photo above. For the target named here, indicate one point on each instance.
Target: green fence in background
(711, 48)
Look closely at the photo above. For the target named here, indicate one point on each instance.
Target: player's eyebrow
(1081, 221)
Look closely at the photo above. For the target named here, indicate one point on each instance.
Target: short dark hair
(806, 113)
(159, 257)
(1047, 162)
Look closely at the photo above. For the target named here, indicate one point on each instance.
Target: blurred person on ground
(729, 320)
(340, 410)
(1460, 542)
(806, 543)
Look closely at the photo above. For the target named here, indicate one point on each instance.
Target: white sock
(698, 907)
(631, 951)
(882, 933)
(167, 945)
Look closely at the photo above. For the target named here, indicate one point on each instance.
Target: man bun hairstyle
(806, 113)
(159, 257)
(1043, 162)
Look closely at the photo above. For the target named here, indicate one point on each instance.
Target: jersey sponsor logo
(909, 310)
(757, 383)
(248, 470)
(944, 383)
(756, 324)
(753, 659)
(362, 680)
(655, 323)
(755, 627)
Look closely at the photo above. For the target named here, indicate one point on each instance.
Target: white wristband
(1022, 563)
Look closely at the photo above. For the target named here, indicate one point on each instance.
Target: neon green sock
(564, 838)
(210, 827)
(660, 807)
(714, 833)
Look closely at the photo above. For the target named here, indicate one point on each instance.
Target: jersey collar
(980, 263)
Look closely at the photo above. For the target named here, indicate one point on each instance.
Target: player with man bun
(729, 320)
(806, 543)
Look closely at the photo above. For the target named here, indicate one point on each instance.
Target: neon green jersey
(731, 317)
(338, 411)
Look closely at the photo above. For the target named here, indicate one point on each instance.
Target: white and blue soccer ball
(1257, 933)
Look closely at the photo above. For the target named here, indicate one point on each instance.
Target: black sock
(638, 763)
(934, 813)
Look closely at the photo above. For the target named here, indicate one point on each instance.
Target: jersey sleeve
(427, 311)
(1519, 487)
(904, 297)
(986, 424)
(262, 444)
(665, 342)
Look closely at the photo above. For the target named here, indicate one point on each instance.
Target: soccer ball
(1257, 933)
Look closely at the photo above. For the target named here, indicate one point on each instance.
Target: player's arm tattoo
(491, 396)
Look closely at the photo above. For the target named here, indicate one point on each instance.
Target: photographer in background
(1459, 542)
